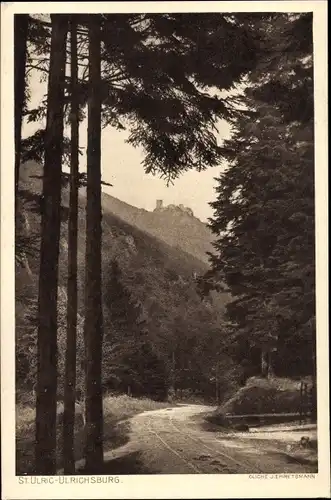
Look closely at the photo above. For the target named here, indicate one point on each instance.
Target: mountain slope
(159, 276)
(175, 225)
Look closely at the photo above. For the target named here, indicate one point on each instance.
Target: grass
(122, 407)
(117, 410)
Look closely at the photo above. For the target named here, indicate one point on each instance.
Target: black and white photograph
(164, 215)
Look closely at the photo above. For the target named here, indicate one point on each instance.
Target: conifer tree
(156, 83)
(126, 338)
(49, 256)
(21, 25)
(264, 212)
(93, 328)
(70, 366)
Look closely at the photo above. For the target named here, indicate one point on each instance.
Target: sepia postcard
(164, 250)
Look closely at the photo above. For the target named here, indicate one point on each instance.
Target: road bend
(175, 441)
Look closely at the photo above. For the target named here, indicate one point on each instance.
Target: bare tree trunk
(93, 299)
(70, 362)
(49, 255)
(21, 24)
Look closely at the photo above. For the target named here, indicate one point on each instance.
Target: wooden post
(300, 409)
(264, 363)
(314, 388)
(270, 368)
(173, 372)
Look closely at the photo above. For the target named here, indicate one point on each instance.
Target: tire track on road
(178, 454)
(210, 468)
(249, 467)
(217, 452)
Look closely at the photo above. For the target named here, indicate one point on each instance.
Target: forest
(102, 306)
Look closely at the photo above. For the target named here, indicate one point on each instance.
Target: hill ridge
(175, 225)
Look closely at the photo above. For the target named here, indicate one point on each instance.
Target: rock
(241, 427)
(305, 442)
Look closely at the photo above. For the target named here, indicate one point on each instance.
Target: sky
(121, 166)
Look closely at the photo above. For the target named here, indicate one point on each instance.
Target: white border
(164, 486)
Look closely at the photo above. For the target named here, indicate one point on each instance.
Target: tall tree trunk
(21, 24)
(49, 255)
(93, 301)
(70, 362)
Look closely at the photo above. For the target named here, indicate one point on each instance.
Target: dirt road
(176, 441)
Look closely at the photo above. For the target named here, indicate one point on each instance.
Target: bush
(265, 396)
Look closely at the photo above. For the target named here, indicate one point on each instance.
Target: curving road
(176, 441)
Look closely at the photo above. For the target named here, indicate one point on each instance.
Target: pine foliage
(264, 211)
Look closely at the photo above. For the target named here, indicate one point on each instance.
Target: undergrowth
(116, 409)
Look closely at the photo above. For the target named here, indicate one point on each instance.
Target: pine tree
(152, 379)
(131, 364)
(21, 25)
(165, 92)
(125, 333)
(122, 311)
(70, 367)
(93, 329)
(264, 212)
(156, 83)
(49, 255)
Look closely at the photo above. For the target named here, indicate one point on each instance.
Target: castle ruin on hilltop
(172, 208)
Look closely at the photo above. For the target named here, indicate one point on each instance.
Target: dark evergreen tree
(49, 255)
(121, 309)
(21, 26)
(156, 84)
(130, 363)
(264, 212)
(153, 377)
(70, 366)
(93, 328)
